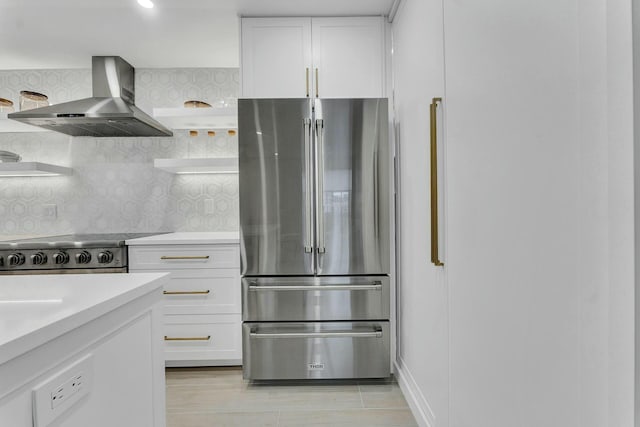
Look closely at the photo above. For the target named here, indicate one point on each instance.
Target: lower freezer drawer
(315, 350)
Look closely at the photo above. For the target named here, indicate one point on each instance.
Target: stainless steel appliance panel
(352, 174)
(321, 350)
(315, 298)
(276, 184)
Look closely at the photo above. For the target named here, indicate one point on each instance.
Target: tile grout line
(361, 399)
(278, 419)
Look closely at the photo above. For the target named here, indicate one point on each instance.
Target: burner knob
(83, 257)
(15, 259)
(38, 258)
(105, 257)
(61, 258)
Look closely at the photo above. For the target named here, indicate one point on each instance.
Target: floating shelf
(32, 169)
(8, 125)
(197, 166)
(198, 118)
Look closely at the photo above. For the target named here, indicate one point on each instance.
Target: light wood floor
(207, 397)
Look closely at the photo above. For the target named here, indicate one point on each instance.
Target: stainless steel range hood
(109, 113)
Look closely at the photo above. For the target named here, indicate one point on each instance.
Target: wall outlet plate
(209, 206)
(50, 211)
(61, 391)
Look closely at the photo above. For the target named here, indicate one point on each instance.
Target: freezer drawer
(315, 350)
(315, 298)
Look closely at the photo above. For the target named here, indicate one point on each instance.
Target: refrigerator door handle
(376, 286)
(308, 238)
(320, 184)
(336, 334)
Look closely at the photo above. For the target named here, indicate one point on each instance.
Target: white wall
(538, 178)
(115, 188)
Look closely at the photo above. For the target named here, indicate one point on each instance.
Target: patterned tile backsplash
(115, 187)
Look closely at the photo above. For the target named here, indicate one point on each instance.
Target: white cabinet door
(203, 338)
(202, 300)
(276, 57)
(174, 257)
(348, 57)
(221, 286)
(281, 57)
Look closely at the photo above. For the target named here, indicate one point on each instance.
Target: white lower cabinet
(203, 291)
(203, 338)
(202, 301)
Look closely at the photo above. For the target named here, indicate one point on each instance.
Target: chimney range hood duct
(109, 113)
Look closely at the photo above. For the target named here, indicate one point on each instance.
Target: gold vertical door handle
(307, 82)
(317, 95)
(435, 258)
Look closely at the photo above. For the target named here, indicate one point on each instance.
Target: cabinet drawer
(315, 350)
(174, 257)
(215, 337)
(203, 291)
(315, 298)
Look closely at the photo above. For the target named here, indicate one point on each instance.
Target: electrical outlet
(50, 211)
(209, 206)
(62, 391)
(66, 391)
(76, 383)
(57, 396)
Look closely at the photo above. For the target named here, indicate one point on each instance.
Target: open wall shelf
(198, 166)
(198, 118)
(13, 169)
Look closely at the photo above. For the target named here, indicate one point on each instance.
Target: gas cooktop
(68, 253)
(74, 241)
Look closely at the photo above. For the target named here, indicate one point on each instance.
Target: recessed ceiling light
(146, 3)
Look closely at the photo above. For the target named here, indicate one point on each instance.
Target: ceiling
(175, 33)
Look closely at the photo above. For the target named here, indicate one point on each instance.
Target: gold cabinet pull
(166, 257)
(207, 338)
(186, 292)
(317, 94)
(435, 258)
(307, 82)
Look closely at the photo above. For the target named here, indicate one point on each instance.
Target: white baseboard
(419, 406)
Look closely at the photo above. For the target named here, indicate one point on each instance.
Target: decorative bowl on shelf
(196, 104)
(6, 106)
(30, 100)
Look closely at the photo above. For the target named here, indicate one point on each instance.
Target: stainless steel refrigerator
(314, 235)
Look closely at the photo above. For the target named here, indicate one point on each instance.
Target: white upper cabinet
(313, 57)
(276, 57)
(348, 57)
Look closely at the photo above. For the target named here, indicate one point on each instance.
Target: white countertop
(35, 309)
(10, 237)
(188, 238)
